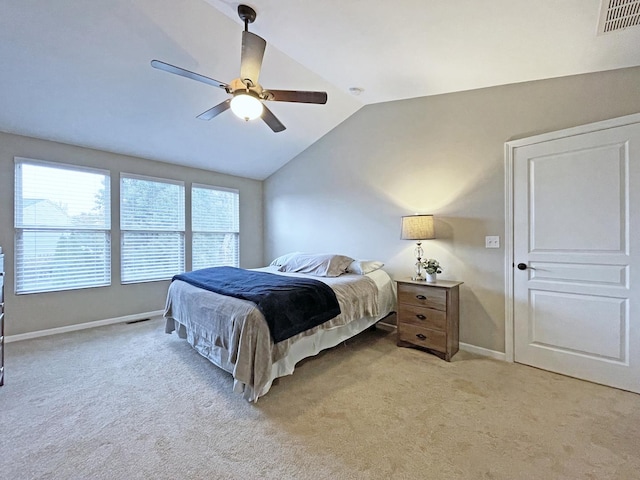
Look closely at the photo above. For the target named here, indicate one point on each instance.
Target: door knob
(522, 266)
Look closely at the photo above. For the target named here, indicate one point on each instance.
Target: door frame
(509, 150)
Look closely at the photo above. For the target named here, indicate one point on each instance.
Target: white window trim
(123, 231)
(20, 227)
(194, 231)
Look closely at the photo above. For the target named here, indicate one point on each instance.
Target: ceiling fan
(247, 94)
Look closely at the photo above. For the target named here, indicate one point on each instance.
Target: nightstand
(428, 316)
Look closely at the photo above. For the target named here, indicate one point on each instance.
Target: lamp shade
(418, 227)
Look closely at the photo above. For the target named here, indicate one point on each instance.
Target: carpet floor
(130, 402)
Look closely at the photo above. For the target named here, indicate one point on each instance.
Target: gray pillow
(319, 265)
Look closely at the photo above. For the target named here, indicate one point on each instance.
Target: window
(62, 227)
(151, 228)
(215, 225)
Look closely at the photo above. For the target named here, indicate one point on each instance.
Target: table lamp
(418, 227)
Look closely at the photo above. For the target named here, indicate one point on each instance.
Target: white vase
(431, 277)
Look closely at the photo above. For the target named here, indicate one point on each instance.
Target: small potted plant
(432, 268)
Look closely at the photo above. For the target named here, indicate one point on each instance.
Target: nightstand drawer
(422, 317)
(423, 337)
(422, 296)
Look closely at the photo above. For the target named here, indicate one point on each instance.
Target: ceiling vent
(617, 15)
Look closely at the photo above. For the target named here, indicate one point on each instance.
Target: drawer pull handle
(421, 336)
(421, 317)
(421, 297)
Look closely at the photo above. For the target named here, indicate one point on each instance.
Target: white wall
(442, 155)
(29, 313)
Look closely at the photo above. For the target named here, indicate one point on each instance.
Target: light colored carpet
(130, 402)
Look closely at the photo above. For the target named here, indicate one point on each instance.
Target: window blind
(152, 228)
(62, 227)
(215, 223)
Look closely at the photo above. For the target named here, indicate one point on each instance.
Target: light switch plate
(492, 241)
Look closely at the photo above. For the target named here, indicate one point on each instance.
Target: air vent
(617, 15)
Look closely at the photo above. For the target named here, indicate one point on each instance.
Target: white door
(576, 255)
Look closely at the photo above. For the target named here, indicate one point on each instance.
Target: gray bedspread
(233, 334)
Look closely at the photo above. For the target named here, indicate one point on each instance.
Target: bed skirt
(301, 348)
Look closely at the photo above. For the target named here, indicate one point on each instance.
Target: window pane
(59, 196)
(62, 220)
(61, 260)
(215, 250)
(151, 256)
(152, 228)
(214, 210)
(215, 223)
(151, 205)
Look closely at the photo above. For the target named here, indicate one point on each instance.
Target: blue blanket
(290, 305)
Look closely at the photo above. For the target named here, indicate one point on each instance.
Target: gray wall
(442, 155)
(28, 313)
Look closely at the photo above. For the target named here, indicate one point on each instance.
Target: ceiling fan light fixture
(246, 106)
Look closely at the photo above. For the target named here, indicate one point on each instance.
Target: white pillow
(319, 265)
(283, 258)
(362, 267)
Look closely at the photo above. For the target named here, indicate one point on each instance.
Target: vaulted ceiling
(79, 71)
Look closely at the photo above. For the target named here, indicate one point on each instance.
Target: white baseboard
(485, 352)
(81, 326)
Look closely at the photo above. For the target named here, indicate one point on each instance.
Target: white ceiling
(78, 71)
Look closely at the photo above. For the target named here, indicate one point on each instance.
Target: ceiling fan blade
(271, 120)
(298, 96)
(187, 74)
(251, 61)
(215, 111)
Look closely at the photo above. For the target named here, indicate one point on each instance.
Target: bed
(233, 334)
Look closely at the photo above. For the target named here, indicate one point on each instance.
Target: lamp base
(419, 276)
